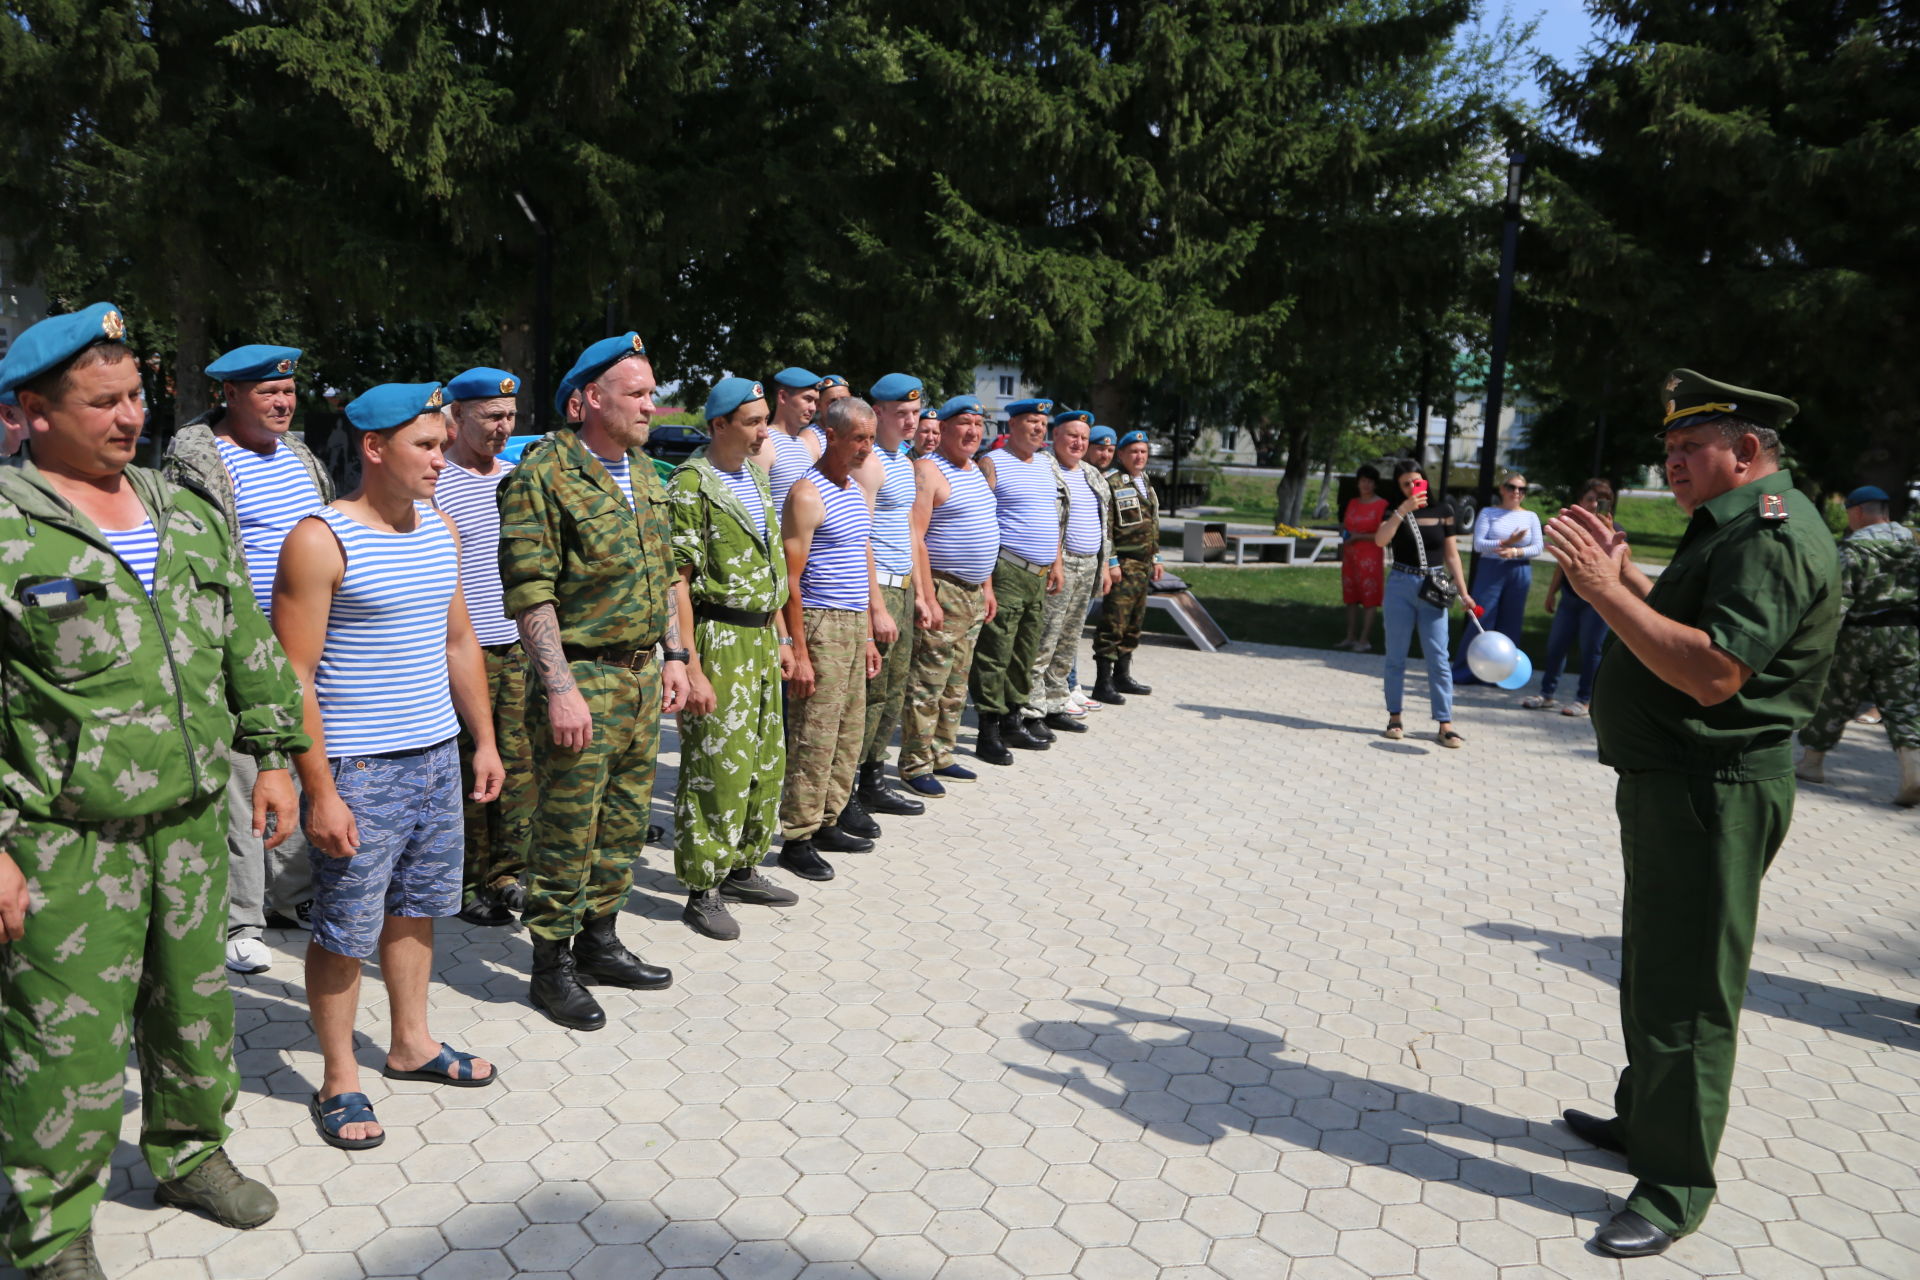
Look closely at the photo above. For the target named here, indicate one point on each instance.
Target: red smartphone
(1419, 484)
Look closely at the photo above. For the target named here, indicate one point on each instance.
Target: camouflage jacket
(1102, 492)
(569, 539)
(118, 705)
(1136, 520)
(193, 462)
(1879, 570)
(735, 554)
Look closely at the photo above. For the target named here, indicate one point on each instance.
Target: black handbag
(1436, 585)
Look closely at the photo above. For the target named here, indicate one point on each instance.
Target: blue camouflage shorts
(407, 808)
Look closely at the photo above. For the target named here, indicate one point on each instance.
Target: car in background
(676, 443)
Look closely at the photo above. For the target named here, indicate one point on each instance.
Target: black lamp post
(1502, 314)
(542, 318)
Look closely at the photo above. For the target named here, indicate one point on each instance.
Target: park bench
(1289, 546)
(1171, 596)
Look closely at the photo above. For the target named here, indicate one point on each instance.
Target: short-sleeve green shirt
(1766, 592)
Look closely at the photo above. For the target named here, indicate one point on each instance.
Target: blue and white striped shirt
(272, 492)
(749, 494)
(382, 680)
(836, 572)
(1028, 506)
(621, 469)
(1084, 526)
(790, 461)
(963, 538)
(893, 504)
(472, 502)
(139, 547)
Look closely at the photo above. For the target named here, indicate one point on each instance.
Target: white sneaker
(248, 955)
(1086, 704)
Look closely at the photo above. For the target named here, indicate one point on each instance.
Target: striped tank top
(472, 502)
(892, 535)
(271, 493)
(1028, 506)
(139, 547)
(621, 469)
(836, 572)
(749, 494)
(818, 434)
(1083, 513)
(963, 538)
(790, 461)
(382, 679)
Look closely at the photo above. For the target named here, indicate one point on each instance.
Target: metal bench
(1289, 546)
(1171, 596)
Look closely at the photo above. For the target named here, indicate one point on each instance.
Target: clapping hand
(1589, 550)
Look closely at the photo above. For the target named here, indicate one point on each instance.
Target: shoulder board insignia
(1773, 507)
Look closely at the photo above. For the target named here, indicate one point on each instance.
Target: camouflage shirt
(569, 539)
(1879, 570)
(735, 554)
(117, 704)
(1136, 519)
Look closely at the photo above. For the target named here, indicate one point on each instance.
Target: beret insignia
(113, 326)
(284, 366)
(758, 392)
(914, 394)
(1045, 406)
(508, 386)
(638, 345)
(433, 401)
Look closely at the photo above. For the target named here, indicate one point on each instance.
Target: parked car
(676, 443)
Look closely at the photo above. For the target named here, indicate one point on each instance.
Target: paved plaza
(1230, 986)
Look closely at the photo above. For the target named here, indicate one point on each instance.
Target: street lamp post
(542, 318)
(1502, 314)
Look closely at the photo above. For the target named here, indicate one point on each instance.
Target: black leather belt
(631, 659)
(730, 615)
(1890, 618)
(956, 580)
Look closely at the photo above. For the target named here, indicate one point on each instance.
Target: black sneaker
(756, 888)
(512, 895)
(302, 918)
(707, 914)
(486, 912)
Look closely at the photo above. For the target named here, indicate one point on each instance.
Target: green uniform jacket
(117, 705)
(1765, 591)
(1136, 519)
(1879, 572)
(729, 548)
(193, 462)
(569, 539)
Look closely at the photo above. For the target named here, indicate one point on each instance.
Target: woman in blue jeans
(1507, 539)
(1404, 612)
(1574, 622)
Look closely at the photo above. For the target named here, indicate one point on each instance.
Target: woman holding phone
(1574, 622)
(1418, 535)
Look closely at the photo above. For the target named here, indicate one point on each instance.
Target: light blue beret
(960, 404)
(1068, 415)
(255, 362)
(482, 384)
(1098, 434)
(1019, 407)
(729, 394)
(929, 412)
(896, 386)
(794, 378)
(831, 380)
(1135, 436)
(598, 358)
(1867, 493)
(58, 339)
(393, 404)
(560, 396)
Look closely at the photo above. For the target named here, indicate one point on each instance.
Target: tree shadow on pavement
(1196, 1080)
(1860, 1014)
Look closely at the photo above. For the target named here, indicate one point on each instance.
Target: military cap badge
(283, 366)
(914, 394)
(113, 326)
(638, 345)
(434, 400)
(508, 386)
(758, 394)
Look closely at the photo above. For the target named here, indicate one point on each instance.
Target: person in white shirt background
(1506, 540)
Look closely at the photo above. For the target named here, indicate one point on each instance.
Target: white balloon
(1492, 656)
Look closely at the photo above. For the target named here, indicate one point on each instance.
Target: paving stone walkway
(1229, 986)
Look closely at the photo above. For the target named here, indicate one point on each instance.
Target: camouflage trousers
(937, 680)
(126, 931)
(1060, 636)
(888, 690)
(497, 832)
(732, 759)
(1003, 659)
(824, 730)
(1119, 631)
(1880, 665)
(591, 820)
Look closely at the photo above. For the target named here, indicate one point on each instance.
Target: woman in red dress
(1362, 564)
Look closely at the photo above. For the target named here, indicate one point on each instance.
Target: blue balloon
(1522, 671)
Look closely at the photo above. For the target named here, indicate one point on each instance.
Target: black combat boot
(878, 797)
(1123, 677)
(1037, 727)
(834, 839)
(1103, 690)
(855, 820)
(1064, 723)
(801, 858)
(597, 954)
(987, 745)
(1014, 734)
(556, 988)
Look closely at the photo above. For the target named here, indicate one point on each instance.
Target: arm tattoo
(540, 632)
(672, 639)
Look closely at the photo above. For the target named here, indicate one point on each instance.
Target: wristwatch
(674, 655)
(787, 641)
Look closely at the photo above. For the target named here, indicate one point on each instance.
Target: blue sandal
(331, 1115)
(444, 1069)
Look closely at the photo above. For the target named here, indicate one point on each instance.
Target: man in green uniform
(1877, 657)
(726, 547)
(585, 565)
(1136, 544)
(134, 656)
(1709, 672)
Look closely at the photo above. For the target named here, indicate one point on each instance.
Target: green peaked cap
(1693, 398)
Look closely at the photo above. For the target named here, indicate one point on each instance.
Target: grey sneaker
(75, 1262)
(228, 1196)
(756, 888)
(707, 914)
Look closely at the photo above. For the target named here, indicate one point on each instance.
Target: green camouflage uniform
(732, 759)
(568, 538)
(497, 831)
(1877, 658)
(937, 680)
(1136, 540)
(886, 692)
(117, 713)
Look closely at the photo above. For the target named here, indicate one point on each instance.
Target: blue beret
(599, 358)
(794, 378)
(255, 362)
(960, 404)
(1068, 415)
(929, 412)
(831, 380)
(896, 386)
(1867, 493)
(393, 404)
(561, 394)
(482, 384)
(1135, 436)
(1098, 434)
(1019, 407)
(729, 394)
(58, 339)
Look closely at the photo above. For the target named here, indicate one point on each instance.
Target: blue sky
(1564, 27)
